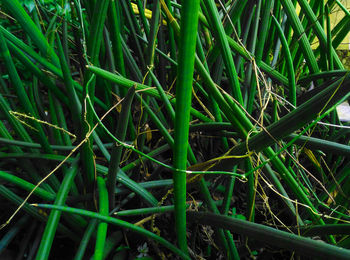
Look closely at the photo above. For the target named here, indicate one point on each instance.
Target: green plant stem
(117, 150)
(187, 47)
(102, 226)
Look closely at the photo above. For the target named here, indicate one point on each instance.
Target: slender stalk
(85, 240)
(117, 150)
(288, 57)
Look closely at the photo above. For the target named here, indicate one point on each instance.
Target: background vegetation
(167, 129)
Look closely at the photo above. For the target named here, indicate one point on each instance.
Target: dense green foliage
(123, 123)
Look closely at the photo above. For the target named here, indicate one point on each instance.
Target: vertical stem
(188, 35)
(116, 154)
(102, 226)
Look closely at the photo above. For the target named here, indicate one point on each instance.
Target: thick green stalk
(187, 47)
(102, 226)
